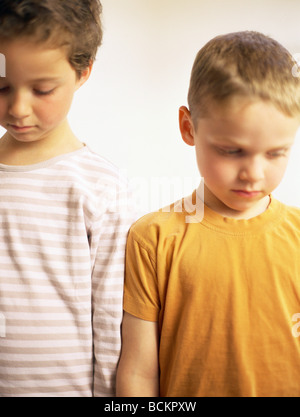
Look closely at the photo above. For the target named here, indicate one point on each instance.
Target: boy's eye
(44, 92)
(275, 154)
(233, 151)
(4, 90)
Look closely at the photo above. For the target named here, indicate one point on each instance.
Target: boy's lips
(20, 128)
(246, 193)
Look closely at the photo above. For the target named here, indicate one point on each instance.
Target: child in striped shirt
(64, 211)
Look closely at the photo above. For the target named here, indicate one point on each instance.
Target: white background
(128, 110)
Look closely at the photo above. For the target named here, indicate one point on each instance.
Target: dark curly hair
(74, 24)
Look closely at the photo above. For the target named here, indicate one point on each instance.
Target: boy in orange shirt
(211, 306)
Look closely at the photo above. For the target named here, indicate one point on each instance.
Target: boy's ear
(85, 75)
(186, 126)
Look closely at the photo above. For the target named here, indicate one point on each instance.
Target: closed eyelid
(229, 151)
(41, 91)
(44, 92)
(279, 152)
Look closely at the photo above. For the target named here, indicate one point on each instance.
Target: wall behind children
(128, 110)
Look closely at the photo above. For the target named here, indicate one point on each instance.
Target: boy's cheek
(2, 113)
(216, 169)
(275, 177)
(53, 113)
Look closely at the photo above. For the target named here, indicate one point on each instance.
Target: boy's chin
(247, 207)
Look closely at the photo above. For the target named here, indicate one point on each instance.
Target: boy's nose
(252, 171)
(19, 106)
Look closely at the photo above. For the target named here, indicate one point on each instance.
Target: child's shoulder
(292, 209)
(98, 163)
(291, 215)
(169, 221)
(91, 166)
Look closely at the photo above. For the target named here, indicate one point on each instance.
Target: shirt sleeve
(141, 294)
(108, 243)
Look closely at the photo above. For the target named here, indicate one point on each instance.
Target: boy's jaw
(238, 203)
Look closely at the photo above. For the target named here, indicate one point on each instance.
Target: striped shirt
(64, 224)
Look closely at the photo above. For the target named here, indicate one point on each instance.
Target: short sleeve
(141, 297)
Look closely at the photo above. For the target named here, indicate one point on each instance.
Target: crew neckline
(43, 164)
(232, 226)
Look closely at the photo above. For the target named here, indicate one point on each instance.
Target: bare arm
(138, 371)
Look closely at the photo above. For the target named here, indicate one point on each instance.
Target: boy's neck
(13, 152)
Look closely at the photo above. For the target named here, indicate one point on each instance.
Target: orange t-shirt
(226, 295)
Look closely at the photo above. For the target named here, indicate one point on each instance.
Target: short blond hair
(246, 64)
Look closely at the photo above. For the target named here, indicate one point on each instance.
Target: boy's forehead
(239, 109)
(26, 46)
(230, 107)
(259, 120)
(36, 61)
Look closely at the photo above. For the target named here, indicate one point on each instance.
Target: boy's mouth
(246, 193)
(20, 128)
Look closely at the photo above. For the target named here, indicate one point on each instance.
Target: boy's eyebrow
(223, 139)
(227, 140)
(283, 146)
(40, 80)
(43, 79)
